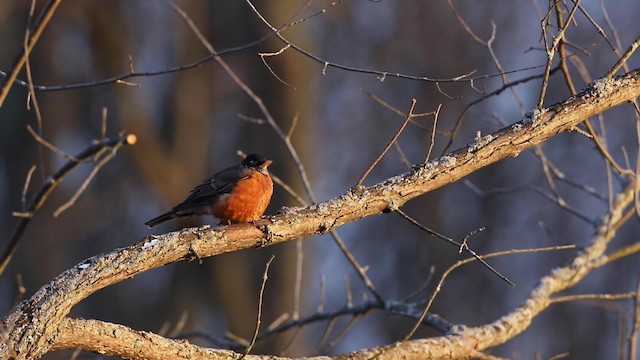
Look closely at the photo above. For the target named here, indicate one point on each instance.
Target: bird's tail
(160, 219)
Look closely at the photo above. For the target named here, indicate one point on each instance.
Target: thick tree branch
(462, 342)
(35, 324)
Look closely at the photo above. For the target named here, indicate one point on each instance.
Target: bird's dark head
(257, 162)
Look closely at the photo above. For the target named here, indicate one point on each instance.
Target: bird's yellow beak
(266, 163)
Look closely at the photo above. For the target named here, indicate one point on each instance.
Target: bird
(237, 194)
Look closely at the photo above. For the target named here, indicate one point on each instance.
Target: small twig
(514, 189)
(322, 296)
(551, 51)
(560, 356)
(562, 45)
(637, 174)
(635, 329)
(75, 354)
(603, 149)
(464, 24)
(538, 152)
(252, 120)
(400, 308)
(432, 141)
(464, 245)
(49, 145)
(467, 108)
(595, 25)
(403, 157)
(180, 324)
(103, 127)
(292, 340)
(622, 252)
(43, 20)
(345, 330)
(469, 260)
(237, 339)
(347, 284)
(297, 291)
(395, 110)
(386, 148)
(21, 290)
(459, 245)
(86, 182)
(259, 320)
(362, 272)
(319, 12)
(32, 98)
(132, 84)
(381, 75)
(423, 287)
(325, 334)
(264, 61)
(292, 128)
(288, 189)
(582, 297)
(25, 188)
(50, 184)
(279, 321)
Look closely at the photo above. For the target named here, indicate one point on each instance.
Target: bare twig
(466, 78)
(635, 329)
(41, 23)
(288, 189)
(637, 174)
(261, 297)
(105, 159)
(25, 188)
(49, 145)
(583, 297)
(20, 290)
(325, 334)
(595, 25)
(562, 49)
(467, 108)
(264, 61)
(458, 244)
(547, 195)
(550, 51)
(622, 252)
(424, 286)
(361, 270)
(297, 291)
(103, 127)
(432, 140)
(400, 308)
(345, 329)
(395, 110)
(31, 98)
(469, 260)
(51, 183)
(561, 176)
(391, 142)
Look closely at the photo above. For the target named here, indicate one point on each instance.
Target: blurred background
(191, 124)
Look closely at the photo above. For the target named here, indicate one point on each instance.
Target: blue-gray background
(188, 127)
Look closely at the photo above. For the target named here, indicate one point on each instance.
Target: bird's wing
(221, 183)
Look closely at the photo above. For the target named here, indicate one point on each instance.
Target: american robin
(237, 194)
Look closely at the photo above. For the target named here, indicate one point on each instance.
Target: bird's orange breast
(247, 201)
